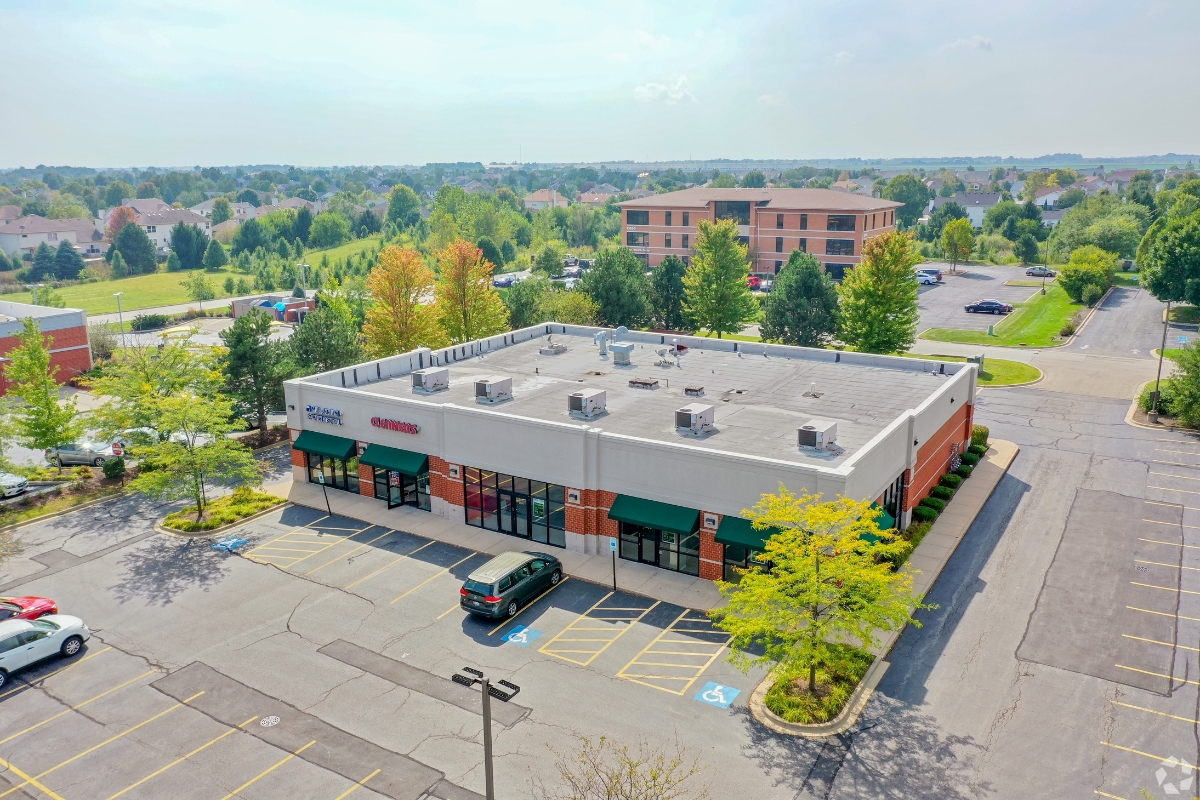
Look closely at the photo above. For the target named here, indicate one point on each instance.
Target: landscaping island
(243, 503)
(1045, 320)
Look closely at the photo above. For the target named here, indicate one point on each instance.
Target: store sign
(395, 425)
(331, 416)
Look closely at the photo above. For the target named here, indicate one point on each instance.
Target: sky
(130, 83)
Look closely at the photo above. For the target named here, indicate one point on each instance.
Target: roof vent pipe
(601, 338)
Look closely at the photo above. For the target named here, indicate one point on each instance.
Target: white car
(12, 485)
(24, 642)
(925, 279)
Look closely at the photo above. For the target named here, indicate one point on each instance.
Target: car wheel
(3, 678)
(99, 462)
(511, 611)
(555, 577)
(970, 311)
(71, 646)
(59, 462)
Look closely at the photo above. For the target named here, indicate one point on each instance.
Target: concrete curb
(160, 528)
(1133, 407)
(862, 693)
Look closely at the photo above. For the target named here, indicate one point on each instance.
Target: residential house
(594, 199)
(1048, 196)
(23, 235)
(605, 188)
(545, 198)
(846, 186)
(9, 213)
(934, 184)
(973, 181)
(1052, 218)
(241, 211)
(1120, 178)
(1091, 185)
(158, 226)
(976, 204)
(147, 205)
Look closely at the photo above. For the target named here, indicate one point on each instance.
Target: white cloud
(643, 39)
(974, 43)
(671, 93)
(770, 100)
(843, 57)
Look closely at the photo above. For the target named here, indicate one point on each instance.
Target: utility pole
(121, 320)
(1153, 415)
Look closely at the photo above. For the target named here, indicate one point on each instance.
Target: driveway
(941, 305)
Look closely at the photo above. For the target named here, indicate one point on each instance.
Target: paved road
(178, 308)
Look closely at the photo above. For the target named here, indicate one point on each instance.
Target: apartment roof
(823, 199)
(35, 224)
(173, 216)
(10, 212)
(970, 199)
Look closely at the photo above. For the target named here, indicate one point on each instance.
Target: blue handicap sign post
(521, 635)
(1183, 340)
(717, 695)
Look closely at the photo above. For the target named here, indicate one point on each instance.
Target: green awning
(741, 532)
(652, 514)
(323, 444)
(395, 459)
(884, 522)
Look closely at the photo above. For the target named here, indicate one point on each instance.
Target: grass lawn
(996, 371)
(339, 253)
(1125, 279)
(1038, 284)
(1035, 323)
(1186, 315)
(141, 291)
(1172, 354)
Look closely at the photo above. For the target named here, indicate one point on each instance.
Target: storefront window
(665, 549)
(517, 506)
(737, 556)
(402, 490)
(338, 474)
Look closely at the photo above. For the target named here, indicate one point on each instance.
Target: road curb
(160, 528)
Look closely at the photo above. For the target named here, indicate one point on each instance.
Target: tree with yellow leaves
(829, 582)
(398, 321)
(468, 306)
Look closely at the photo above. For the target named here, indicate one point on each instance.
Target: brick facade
(442, 485)
(712, 554)
(366, 477)
(933, 456)
(69, 352)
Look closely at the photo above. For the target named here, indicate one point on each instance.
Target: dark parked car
(1040, 272)
(988, 307)
(506, 583)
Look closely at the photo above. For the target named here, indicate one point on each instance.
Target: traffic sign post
(321, 480)
(612, 545)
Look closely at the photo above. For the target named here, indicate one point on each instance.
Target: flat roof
(780, 199)
(759, 399)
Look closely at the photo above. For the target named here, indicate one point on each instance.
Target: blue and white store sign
(330, 416)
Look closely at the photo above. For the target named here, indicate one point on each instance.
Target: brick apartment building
(773, 222)
(70, 349)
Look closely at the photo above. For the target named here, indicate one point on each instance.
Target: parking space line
(431, 577)
(1172, 544)
(1172, 524)
(1167, 588)
(94, 748)
(1182, 452)
(1171, 678)
(1163, 564)
(662, 639)
(528, 605)
(81, 705)
(392, 564)
(269, 769)
(29, 779)
(448, 610)
(1164, 644)
(1169, 489)
(592, 654)
(1106, 794)
(181, 759)
(352, 552)
(1173, 505)
(1147, 755)
(1160, 713)
(353, 788)
(1181, 477)
(29, 685)
(1164, 613)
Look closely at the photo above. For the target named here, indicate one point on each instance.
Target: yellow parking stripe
(1169, 489)
(1147, 755)
(55, 672)
(350, 553)
(550, 649)
(1164, 644)
(431, 577)
(1171, 678)
(391, 564)
(1165, 588)
(1172, 544)
(180, 760)
(561, 581)
(1160, 713)
(1161, 564)
(1173, 505)
(74, 708)
(346, 793)
(29, 779)
(712, 651)
(94, 748)
(1164, 613)
(269, 769)
(1106, 794)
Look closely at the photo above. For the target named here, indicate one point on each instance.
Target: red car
(753, 281)
(26, 607)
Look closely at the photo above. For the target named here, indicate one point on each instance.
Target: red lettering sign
(395, 425)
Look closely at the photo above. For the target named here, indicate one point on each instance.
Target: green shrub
(977, 450)
(941, 492)
(924, 514)
(969, 458)
(243, 502)
(1167, 400)
(934, 503)
(979, 435)
(148, 322)
(1067, 330)
(789, 699)
(951, 480)
(114, 468)
(964, 470)
(1089, 273)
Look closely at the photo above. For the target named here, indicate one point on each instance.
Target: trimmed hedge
(941, 492)
(951, 480)
(934, 503)
(924, 514)
(978, 450)
(979, 435)
(964, 471)
(969, 458)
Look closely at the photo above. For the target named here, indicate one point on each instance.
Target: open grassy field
(339, 253)
(1035, 323)
(140, 291)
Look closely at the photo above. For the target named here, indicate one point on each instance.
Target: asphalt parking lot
(941, 305)
(315, 661)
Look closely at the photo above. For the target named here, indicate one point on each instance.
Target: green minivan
(506, 583)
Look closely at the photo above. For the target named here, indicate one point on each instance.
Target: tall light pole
(120, 318)
(304, 278)
(489, 691)
(1153, 415)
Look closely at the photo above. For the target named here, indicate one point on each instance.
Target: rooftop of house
(970, 199)
(545, 196)
(146, 205)
(173, 216)
(84, 228)
(815, 199)
(10, 212)
(760, 400)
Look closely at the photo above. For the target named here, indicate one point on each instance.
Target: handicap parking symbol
(717, 695)
(521, 635)
(230, 544)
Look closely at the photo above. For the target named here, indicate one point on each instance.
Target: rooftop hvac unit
(695, 419)
(495, 389)
(551, 348)
(430, 380)
(621, 352)
(820, 433)
(587, 403)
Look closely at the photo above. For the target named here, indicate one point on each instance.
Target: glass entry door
(639, 543)
(514, 514)
(402, 490)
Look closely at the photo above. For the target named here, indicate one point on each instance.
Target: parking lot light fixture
(120, 318)
(468, 676)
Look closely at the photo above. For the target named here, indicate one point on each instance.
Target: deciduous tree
(118, 219)
(617, 285)
(199, 289)
(910, 191)
(667, 294)
(1026, 248)
(570, 307)
(716, 295)
(222, 211)
(802, 308)
(1169, 260)
(1088, 275)
(117, 193)
(401, 318)
(468, 305)
(958, 237)
(328, 230)
(42, 420)
(404, 207)
(524, 301)
(879, 296)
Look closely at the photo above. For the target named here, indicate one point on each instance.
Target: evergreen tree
(222, 211)
(173, 263)
(5, 264)
(189, 242)
(802, 308)
(667, 294)
(119, 268)
(43, 263)
(302, 224)
(508, 251)
(491, 253)
(879, 296)
(137, 249)
(255, 367)
(325, 341)
(67, 262)
(1026, 248)
(617, 285)
(215, 256)
(717, 297)
(250, 236)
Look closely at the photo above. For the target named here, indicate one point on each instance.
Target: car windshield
(45, 625)
(475, 587)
